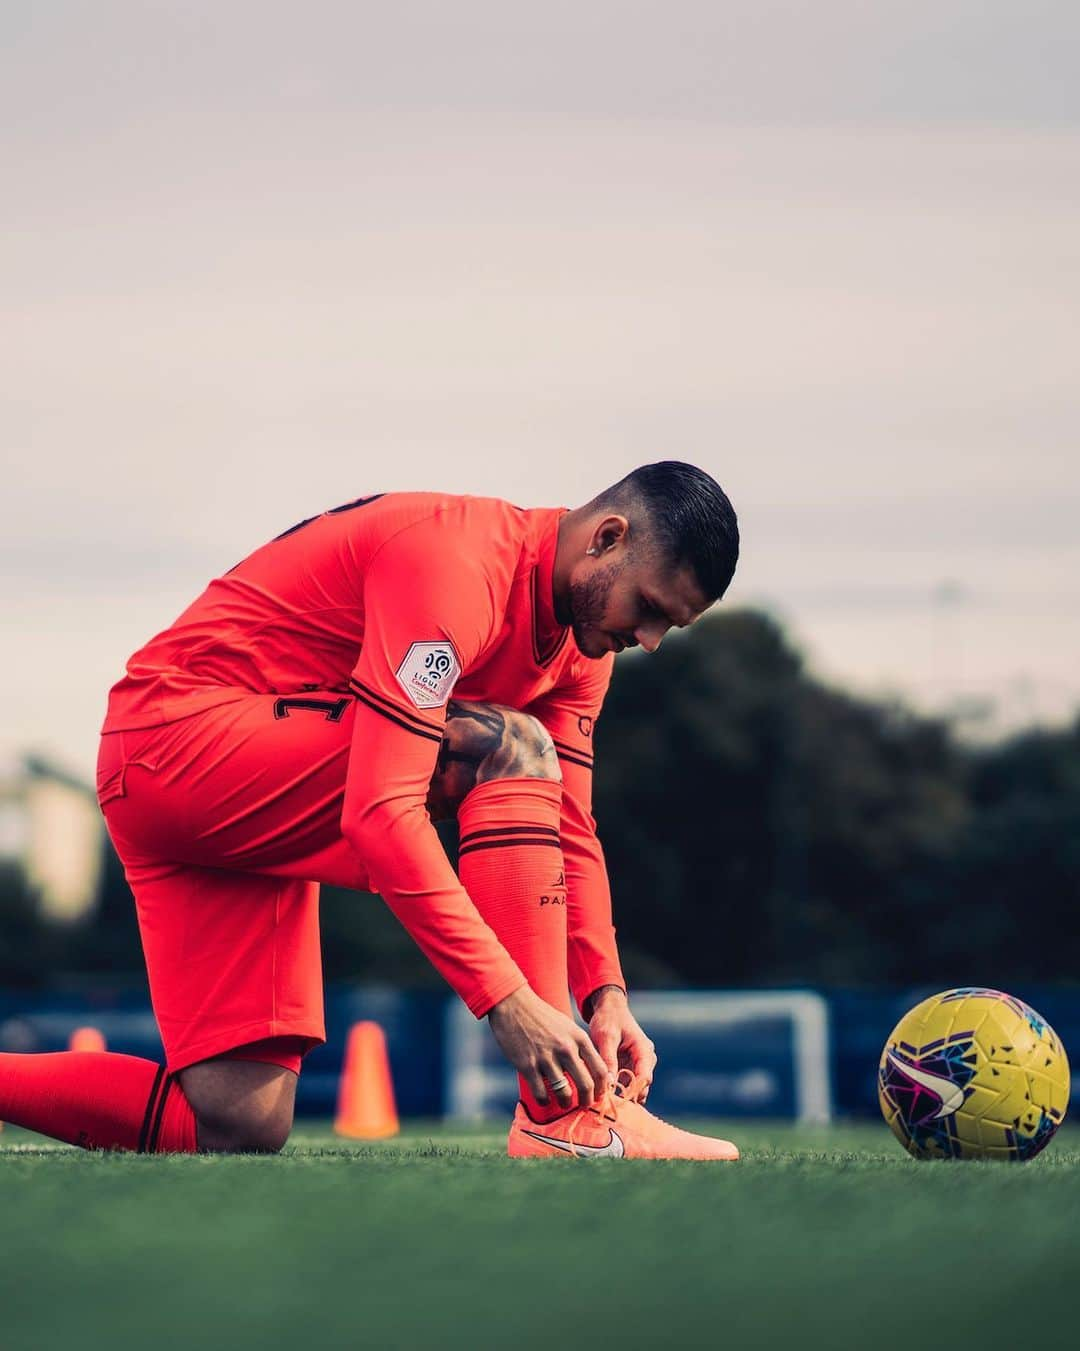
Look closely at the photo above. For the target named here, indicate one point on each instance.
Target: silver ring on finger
(557, 1085)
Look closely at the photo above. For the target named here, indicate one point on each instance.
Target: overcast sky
(259, 259)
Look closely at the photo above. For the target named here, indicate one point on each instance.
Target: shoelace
(607, 1108)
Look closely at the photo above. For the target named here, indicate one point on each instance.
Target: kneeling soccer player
(398, 659)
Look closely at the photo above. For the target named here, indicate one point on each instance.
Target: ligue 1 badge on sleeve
(428, 673)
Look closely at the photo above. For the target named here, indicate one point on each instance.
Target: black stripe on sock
(375, 708)
(151, 1147)
(359, 687)
(509, 844)
(148, 1116)
(508, 830)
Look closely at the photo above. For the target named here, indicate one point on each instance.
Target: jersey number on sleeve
(333, 708)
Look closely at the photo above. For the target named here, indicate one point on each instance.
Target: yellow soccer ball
(973, 1074)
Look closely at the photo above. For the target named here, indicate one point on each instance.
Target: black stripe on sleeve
(389, 705)
(511, 844)
(573, 759)
(572, 750)
(155, 1130)
(508, 830)
(375, 708)
(149, 1114)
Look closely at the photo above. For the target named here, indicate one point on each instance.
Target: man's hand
(618, 1037)
(543, 1044)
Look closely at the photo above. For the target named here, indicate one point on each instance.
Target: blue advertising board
(800, 1054)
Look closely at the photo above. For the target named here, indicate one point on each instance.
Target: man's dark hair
(690, 519)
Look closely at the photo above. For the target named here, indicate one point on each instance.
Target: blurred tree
(1014, 877)
(29, 948)
(762, 827)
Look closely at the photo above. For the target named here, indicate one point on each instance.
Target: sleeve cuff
(481, 1004)
(604, 975)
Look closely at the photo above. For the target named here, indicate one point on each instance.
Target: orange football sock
(97, 1100)
(511, 864)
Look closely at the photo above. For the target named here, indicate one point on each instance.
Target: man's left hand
(618, 1037)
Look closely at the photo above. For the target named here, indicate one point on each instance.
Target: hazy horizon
(257, 263)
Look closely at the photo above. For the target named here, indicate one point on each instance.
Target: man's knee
(526, 750)
(242, 1130)
(483, 742)
(240, 1106)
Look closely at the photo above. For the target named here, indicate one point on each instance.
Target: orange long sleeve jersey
(400, 600)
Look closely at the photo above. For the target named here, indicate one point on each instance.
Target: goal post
(763, 1053)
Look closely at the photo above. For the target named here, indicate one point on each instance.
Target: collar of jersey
(548, 634)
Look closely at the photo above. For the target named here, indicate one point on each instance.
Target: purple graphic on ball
(927, 1085)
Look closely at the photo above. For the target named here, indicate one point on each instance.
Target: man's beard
(589, 602)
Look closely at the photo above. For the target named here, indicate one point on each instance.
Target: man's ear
(608, 533)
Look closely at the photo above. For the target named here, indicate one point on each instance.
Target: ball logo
(428, 673)
(950, 1096)
(926, 1086)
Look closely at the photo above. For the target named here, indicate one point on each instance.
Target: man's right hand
(545, 1046)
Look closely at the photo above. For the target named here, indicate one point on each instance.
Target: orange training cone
(86, 1039)
(366, 1108)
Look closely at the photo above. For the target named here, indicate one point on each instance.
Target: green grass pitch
(827, 1238)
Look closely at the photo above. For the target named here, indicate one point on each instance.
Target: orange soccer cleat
(616, 1127)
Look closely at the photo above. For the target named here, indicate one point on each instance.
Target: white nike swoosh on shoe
(951, 1095)
(613, 1149)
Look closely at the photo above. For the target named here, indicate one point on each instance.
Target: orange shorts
(226, 822)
